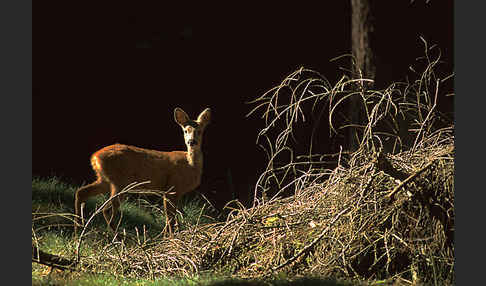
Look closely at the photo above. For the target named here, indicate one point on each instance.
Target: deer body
(118, 165)
(124, 164)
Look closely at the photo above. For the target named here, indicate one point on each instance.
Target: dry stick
(321, 235)
(384, 165)
(51, 260)
(390, 195)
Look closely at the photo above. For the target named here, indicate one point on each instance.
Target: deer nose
(192, 142)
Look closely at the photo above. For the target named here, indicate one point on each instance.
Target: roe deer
(116, 166)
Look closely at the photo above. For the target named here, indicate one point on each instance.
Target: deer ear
(205, 116)
(180, 116)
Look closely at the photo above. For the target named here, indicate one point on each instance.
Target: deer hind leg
(83, 194)
(111, 209)
(170, 204)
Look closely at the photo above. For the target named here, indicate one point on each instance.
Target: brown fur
(118, 165)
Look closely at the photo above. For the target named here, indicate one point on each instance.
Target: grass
(53, 202)
(101, 280)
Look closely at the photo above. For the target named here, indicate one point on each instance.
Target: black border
(16, 134)
(469, 109)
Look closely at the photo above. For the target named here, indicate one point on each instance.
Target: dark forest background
(109, 73)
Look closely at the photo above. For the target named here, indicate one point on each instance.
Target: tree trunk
(362, 65)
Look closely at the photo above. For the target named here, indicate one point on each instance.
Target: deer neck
(195, 157)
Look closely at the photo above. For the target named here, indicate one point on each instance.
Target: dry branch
(51, 260)
(309, 246)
